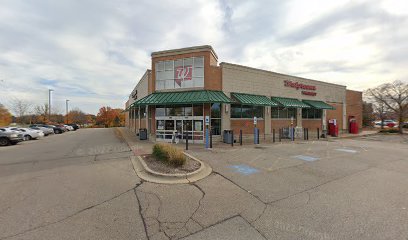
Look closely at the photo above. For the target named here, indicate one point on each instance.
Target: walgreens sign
(183, 74)
(306, 89)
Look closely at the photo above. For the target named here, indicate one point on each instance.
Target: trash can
(227, 136)
(143, 134)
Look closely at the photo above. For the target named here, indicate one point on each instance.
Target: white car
(29, 134)
(46, 131)
(69, 128)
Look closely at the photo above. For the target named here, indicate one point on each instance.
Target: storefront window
(216, 118)
(235, 111)
(292, 112)
(143, 112)
(216, 126)
(311, 113)
(258, 111)
(180, 73)
(246, 111)
(160, 111)
(188, 111)
(198, 110)
(284, 113)
(216, 110)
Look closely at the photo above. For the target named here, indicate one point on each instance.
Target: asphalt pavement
(81, 185)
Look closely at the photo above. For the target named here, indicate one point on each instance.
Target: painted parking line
(244, 169)
(306, 158)
(346, 150)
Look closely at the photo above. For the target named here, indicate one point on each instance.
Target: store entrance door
(168, 126)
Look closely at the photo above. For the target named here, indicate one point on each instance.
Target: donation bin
(333, 128)
(227, 138)
(143, 134)
(353, 126)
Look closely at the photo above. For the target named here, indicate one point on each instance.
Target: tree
(393, 97)
(20, 108)
(42, 112)
(76, 116)
(109, 117)
(368, 114)
(5, 116)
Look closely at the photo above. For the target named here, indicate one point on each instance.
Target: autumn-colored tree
(76, 116)
(5, 116)
(109, 117)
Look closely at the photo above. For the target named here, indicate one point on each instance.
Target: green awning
(250, 99)
(318, 104)
(187, 97)
(290, 102)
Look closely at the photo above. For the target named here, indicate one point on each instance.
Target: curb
(147, 174)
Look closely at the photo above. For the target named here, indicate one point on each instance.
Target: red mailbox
(353, 126)
(333, 128)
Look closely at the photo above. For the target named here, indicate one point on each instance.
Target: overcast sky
(93, 52)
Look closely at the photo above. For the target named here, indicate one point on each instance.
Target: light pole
(49, 104)
(66, 108)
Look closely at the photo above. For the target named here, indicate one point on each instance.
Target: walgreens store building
(186, 89)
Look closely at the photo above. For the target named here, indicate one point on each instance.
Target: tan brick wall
(354, 107)
(236, 78)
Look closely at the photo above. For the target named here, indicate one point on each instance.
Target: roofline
(286, 75)
(178, 51)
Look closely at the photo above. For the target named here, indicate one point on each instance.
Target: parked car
(388, 123)
(8, 137)
(46, 131)
(56, 129)
(69, 128)
(62, 127)
(29, 134)
(75, 126)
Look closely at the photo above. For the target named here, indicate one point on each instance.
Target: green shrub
(159, 151)
(168, 153)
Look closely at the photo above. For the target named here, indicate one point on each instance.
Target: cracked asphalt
(81, 185)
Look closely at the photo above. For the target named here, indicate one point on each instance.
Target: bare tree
(41, 113)
(20, 108)
(394, 97)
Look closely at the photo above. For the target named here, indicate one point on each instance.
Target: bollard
(307, 134)
(186, 140)
(210, 139)
(232, 138)
(206, 137)
(318, 135)
(293, 133)
(304, 133)
(273, 135)
(280, 135)
(258, 135)
(240, 137)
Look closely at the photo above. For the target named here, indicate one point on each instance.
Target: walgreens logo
(183, 74)
(306, 89)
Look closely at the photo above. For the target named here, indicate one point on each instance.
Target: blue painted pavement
(244, 169)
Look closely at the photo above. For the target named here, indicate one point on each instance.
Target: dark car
(9, 137)
(75, 126)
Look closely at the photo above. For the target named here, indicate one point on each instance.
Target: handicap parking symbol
(244, 169)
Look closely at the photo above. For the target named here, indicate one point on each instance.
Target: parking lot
(82, 186)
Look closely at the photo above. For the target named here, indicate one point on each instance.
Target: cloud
(94, 52)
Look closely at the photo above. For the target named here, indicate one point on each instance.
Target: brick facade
(230, 78)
